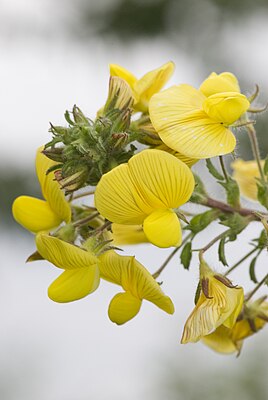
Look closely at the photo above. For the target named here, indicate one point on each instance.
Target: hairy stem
(223, 168)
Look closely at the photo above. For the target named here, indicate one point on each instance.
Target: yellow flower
(81, 274)
(226, 341)
(36, 214)
(145, 191)
(219, 304)
(245, 173)
(195, 122)
(144, 88)
(138, 285)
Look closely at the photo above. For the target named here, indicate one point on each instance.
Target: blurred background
(55, 55)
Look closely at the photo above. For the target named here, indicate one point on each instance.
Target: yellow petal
(220, 341)
(160, 179)
(128, 234)
(74, 284)
(223, 307)
(123, 307)
(115, 198)
(203, 320)
(120, 94)
(177, 116)
(50, 188)
(245, 173)
(62, 254)
(134, 278)
(226, 107)
(34, 214)
(162, 228)
(235, 299)
(151, 83)
(225, 82)
(187, 160)
(117, 70)
(152, 179)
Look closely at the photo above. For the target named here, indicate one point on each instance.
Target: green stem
(78, 196)
(84, 221)
(257, 287)
(172, 254)
(223, 168)
(240, 261)
(255, 149)
(213, 241)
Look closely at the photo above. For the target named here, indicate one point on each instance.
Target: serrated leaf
(252, 269)
(201, 221)
(186, 255)
(232, 192)
(213, 171)
(221, 252)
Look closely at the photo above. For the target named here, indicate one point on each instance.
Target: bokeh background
(54, 55)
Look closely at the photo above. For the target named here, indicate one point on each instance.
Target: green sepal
(197, 293)
(213, 171)
(186, 255)
(34, 257)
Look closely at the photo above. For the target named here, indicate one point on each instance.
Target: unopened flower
(138, 285)
(145, 191)
(38, 215)
(195, 122)
(225, 340)
(219, 304)
(245, 173)
(144, 88)
(81, 274)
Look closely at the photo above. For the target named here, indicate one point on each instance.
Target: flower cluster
(132, 167)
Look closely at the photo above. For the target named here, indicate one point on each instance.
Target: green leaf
(213, 171)
(201, 221)
(252, 269)
(221, 252)
(186, 255)
(262, 193)
(232, 192)
(265, 167)
(235, 221)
